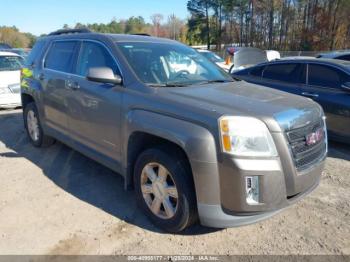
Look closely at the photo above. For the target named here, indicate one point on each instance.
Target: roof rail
(70, 31)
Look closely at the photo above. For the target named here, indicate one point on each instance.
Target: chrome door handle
(309, 94)
(41, 77)
(72, 85)
(75, 86)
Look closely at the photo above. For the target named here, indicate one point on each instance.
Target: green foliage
(277, 24)
(16, 39)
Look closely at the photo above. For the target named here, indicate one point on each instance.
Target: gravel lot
(56, 201)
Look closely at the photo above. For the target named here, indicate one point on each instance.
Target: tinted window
(344, 57)
(94, 55)
(283, 72)
(35, 53)
(60, 56)
(320, 75)
(257, 71)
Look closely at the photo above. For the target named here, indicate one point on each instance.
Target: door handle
(75, 86)
(41, 77)
(72, 85)
(309, 94)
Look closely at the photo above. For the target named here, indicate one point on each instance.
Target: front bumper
(221, 187)
(214, 215)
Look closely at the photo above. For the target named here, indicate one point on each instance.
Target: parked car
(20, 51)
(342, 55)
(247, 57)
(190, 144)
(326, 81)
(5, 46)
(10, 72)
(220, 62)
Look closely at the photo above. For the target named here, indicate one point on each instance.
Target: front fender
(196, 141)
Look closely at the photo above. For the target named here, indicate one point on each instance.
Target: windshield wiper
(215, 81)
(167, 85)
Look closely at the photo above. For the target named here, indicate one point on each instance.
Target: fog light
(252, 190)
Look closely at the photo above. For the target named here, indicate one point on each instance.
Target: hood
(9, 77)
(224, 66)
(241, 98)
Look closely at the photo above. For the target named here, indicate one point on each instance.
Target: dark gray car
(326, 81)
(191, 142)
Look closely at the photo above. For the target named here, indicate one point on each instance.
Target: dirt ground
(56, 201)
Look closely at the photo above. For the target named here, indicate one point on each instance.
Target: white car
(215, 59)
(249, 56)
(10, 77)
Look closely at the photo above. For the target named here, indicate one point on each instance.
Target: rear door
(324, 86)
(57, 69)
(94, 108)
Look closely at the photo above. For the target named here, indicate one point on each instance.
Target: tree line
(306, 25)
(271, 24)
(170, 27)
(13, 37)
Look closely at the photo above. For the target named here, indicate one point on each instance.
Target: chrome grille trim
(304, 155)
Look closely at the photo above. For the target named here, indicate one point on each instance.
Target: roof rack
(70, 31)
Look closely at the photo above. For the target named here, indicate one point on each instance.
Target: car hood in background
(9, 78)
(224, 66)
(249, 56)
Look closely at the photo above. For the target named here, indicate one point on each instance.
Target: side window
(60, 56)
(35, 53)
(344, 57)
(94, 55)
(257, 71)
(283, 72)
(321, 75)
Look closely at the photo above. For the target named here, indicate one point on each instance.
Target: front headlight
(245, 136)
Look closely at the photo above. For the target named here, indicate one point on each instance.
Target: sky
(44, 16)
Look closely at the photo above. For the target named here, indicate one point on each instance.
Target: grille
(305, 155)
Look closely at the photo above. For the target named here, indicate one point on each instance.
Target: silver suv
(191, 142)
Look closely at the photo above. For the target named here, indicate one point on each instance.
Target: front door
(94, 118)
(324, 87)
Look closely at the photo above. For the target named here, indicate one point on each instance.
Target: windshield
(10, 63)
(213, 57)
(162, 64)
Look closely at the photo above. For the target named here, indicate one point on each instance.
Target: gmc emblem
(315, 137)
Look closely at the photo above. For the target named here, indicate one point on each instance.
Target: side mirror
(346, 86)
(103, 75)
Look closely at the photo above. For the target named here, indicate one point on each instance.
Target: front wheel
(33, 127)
(164, 189)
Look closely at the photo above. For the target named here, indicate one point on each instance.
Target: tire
(179, 176)
(39, 139)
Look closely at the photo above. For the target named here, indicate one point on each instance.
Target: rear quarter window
(257, 71)
(344, 57)
(35, 54)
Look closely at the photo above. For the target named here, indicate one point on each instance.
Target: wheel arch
(196, 143)
(26, 99)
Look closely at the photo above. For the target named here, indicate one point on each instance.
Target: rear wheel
(33, 127)
(164, 189)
